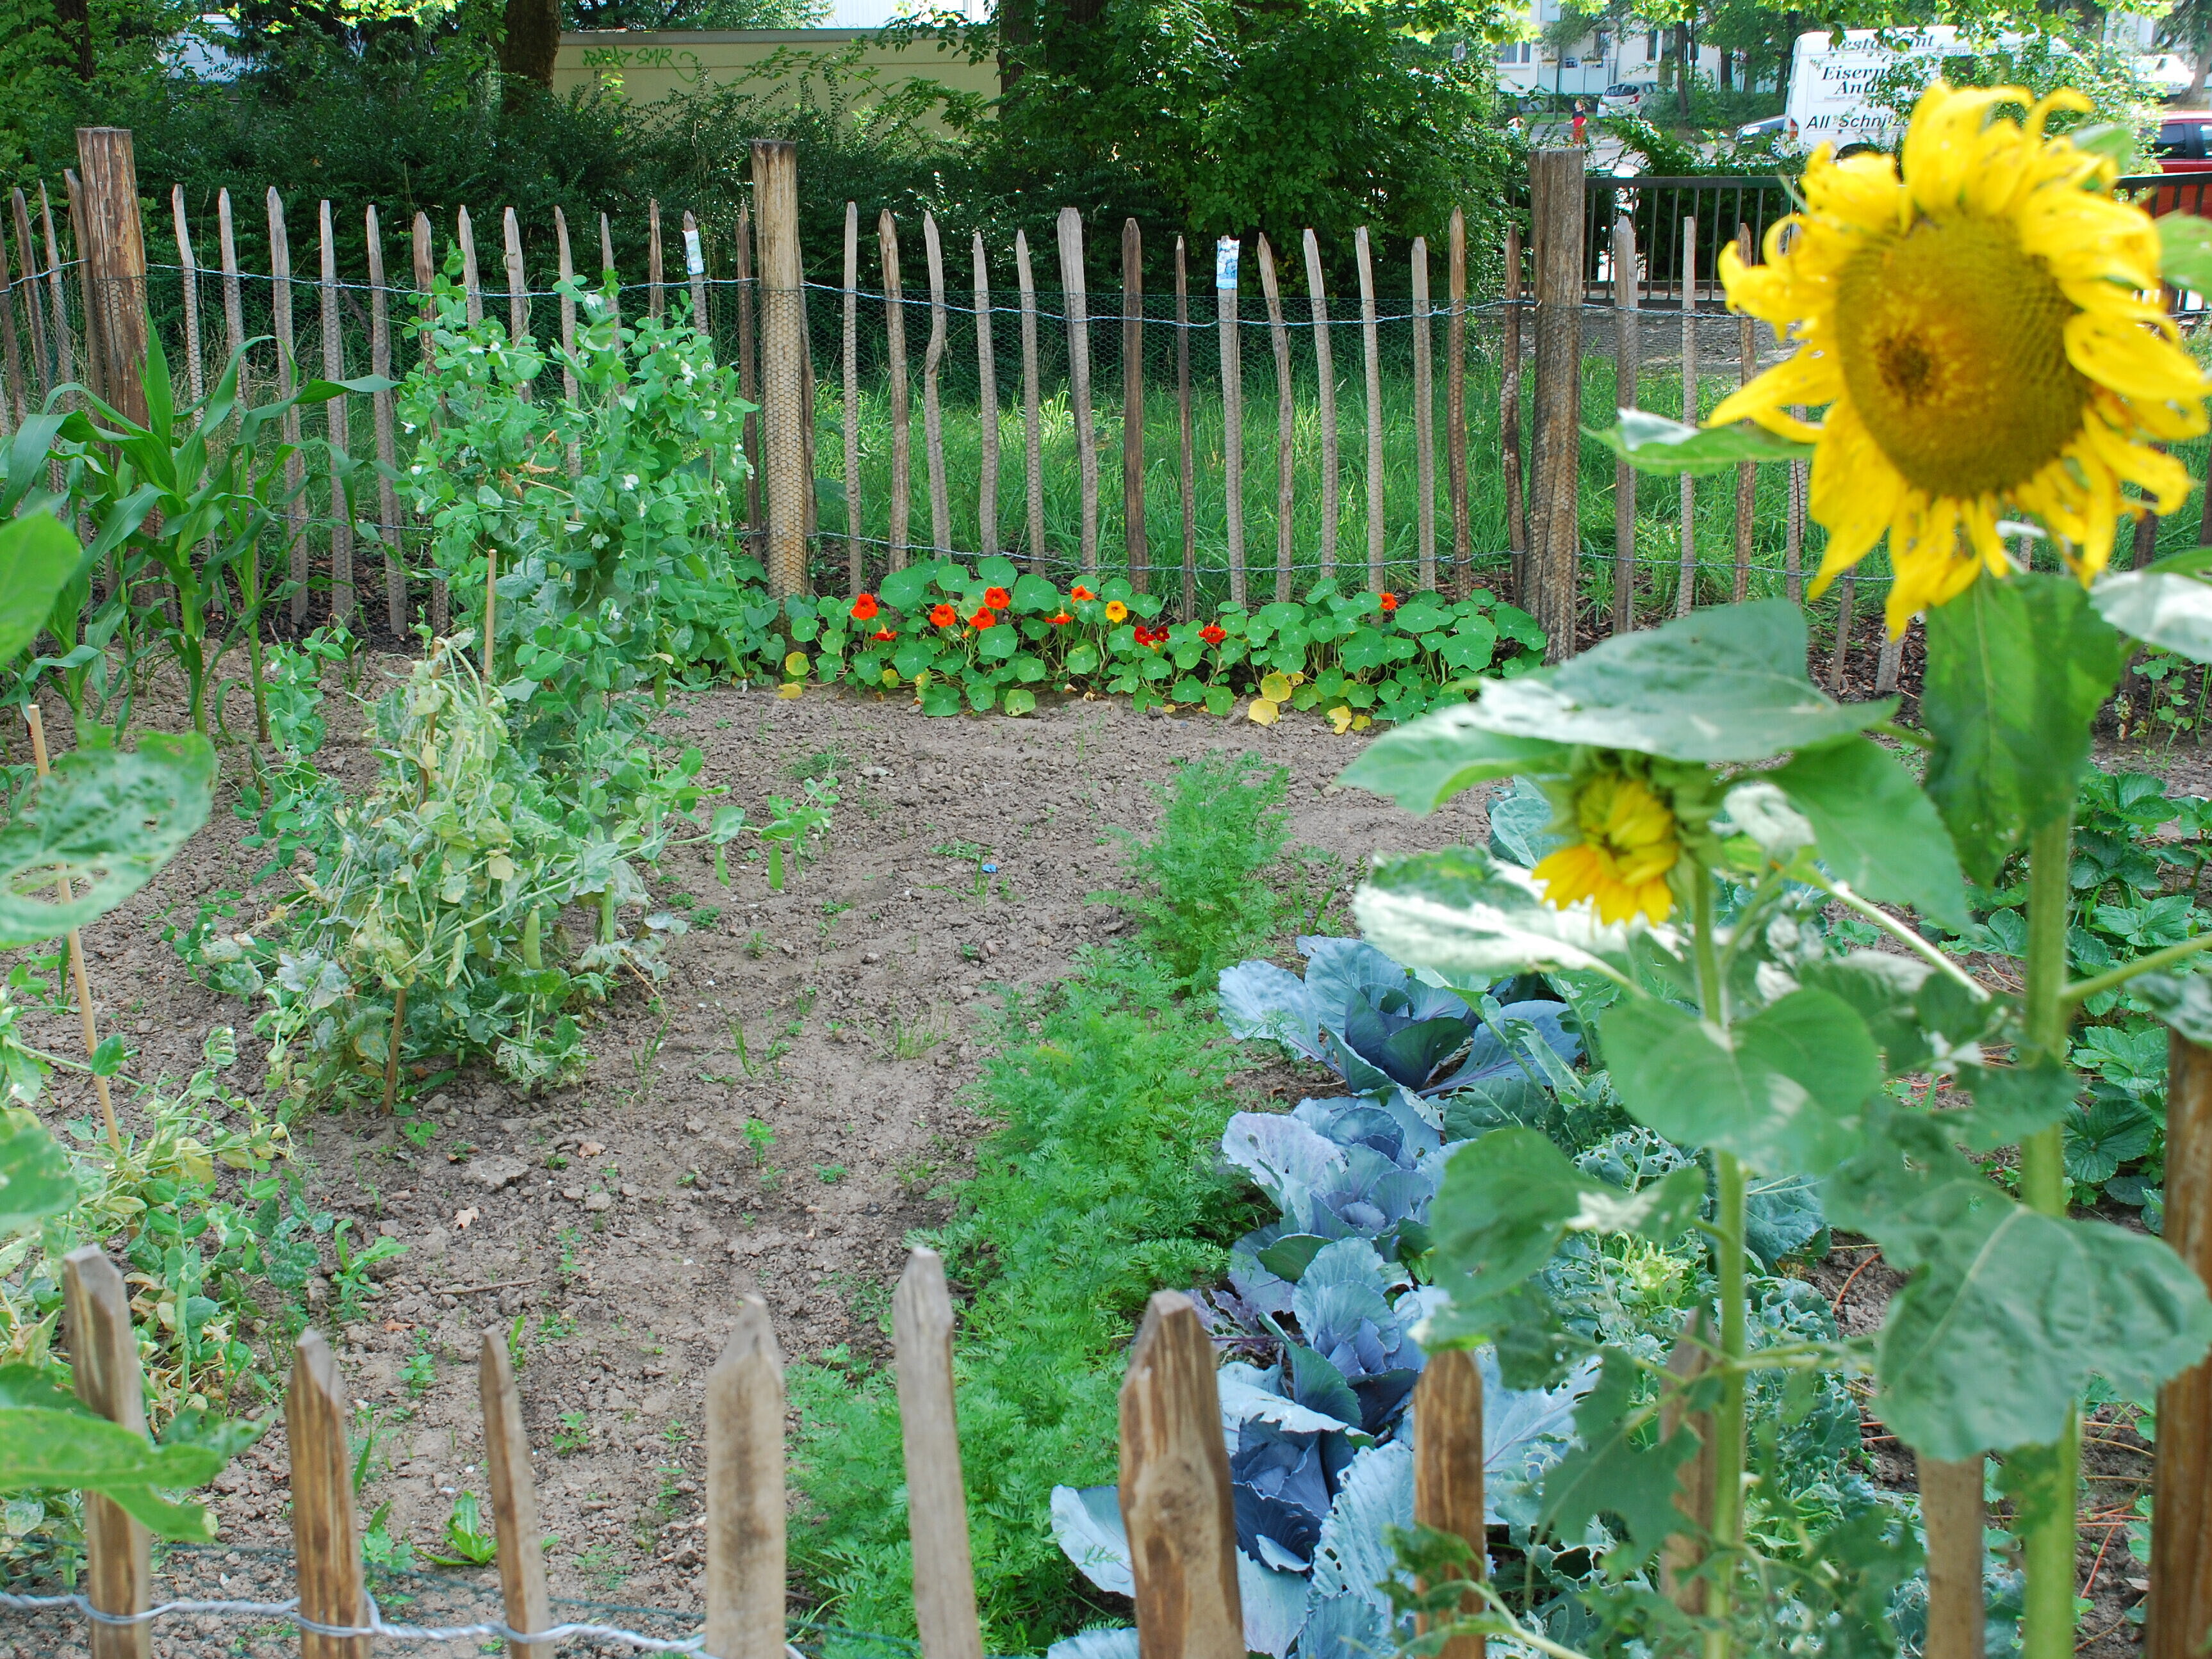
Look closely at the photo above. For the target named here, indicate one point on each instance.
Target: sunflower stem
(2047, 1628)
(1728, 1269)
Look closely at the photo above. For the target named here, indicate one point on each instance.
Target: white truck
(1830, 78)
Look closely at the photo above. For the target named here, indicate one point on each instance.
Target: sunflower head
(1972, 315)
(1626, 843)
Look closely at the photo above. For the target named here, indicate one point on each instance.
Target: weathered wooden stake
(472, 276)
(565, 258)
(1447, 1460)
(57, 300)
(514, 1495)
(932, 406)
(113, 250)
(695, 268)
(335, 426)
(2180, 1619)
(1455, 412)
(1132, 405)
(895, 341)
(1555, 189)
(324, 1533)
(1628, 366)
(380, 411)
(1953, 1515)
(607, 261)
(745, 1492)
(1032, 428)
(17, 400)
(188, 274)
(987, 410)
(295, 477)
(1174, 1491)
(856, 567)
(748, 360)
(441, 603)
(1232, 406)
(937, 1501)
(656, 291)
(1370, 340)
(1278, 338)
(234, 313)
(1332, 503)
(1069, 232)
(104, 1358)
(785, 482)
(1680, 1555)
(1186, 476)
(518, 285)
(34, 305)
(1509, 420)
(1425, 423)
(1747, 478)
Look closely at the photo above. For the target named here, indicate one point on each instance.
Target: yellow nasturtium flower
(1626, 844)
(1985, 329)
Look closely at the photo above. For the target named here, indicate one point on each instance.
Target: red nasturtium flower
(1116, 611)
(997, 598)
(884, 634)
(982, 618)
(1212, 634)
(1082, 592)
(1060, 619)
(864, 608)
(943, 615)
(1389, 602)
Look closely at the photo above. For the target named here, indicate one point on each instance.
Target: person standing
(1582, 118)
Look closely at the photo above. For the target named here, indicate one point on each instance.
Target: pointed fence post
(324, 1534)
(104, 1356)
(1175, 1491)
(1555, 191)
(1627, 364)
(514, 1495)
(2179, 1617)
(783, 365)
(745, 1492)
(856, 573)
(1132, 405)
(937, 1500)
(1069, 229)
(1448, 1466)
(114, 253)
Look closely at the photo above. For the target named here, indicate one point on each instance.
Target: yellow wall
(650, 65)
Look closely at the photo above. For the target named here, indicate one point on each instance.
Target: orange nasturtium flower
(1082, 592)
(997, 598)
(1060, 619)
(1116, 611)
(982, 618)
(884, 634)
(864, 608)
(943, 615)
(1389, 602)
(1213, 634)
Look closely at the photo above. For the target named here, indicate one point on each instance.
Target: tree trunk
(1788, 56)
(1728, 71)
(74, 20)
(1684, 63)
(526, 48)
(2194, 96)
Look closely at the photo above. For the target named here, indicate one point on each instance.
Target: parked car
(1625, 97)
(1775, 129)
(2183, 147)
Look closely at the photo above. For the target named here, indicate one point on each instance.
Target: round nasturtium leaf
(1264, 711)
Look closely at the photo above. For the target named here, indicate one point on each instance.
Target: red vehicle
(2183, 152)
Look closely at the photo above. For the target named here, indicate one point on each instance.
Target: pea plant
(1702, 788)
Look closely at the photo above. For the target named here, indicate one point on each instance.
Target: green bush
(1208, 902)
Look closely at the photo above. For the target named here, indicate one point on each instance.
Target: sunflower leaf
(1461, 911)
(1652, 443)
(1876, 830)
(1424, 764)
(2184, 246)
(38, 556)
(2017, 669)
(2160, 608)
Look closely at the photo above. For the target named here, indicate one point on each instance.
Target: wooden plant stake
(566, 259)
(471, 277)
(695, 268)
(1175, 1491)
(335, 427)
(1032, 426)
(1686, 583)
(1278, 338)
(34, 305)
(1953, 1514)
(749, 361)
(1069, 230)
(1680, 1555)
(856, 574)
(1232, 406)
(2179, 1617)
(1132, 405)
(35, 719)
(514, 1495)
(987, 410)
(1455, 412)
(1370, 340)
(324, 1532)
(57, 304)
(895, 340)
(15, 402)
(518, 287)
(1627, 365)
(441, 602)
(1186, 474)
(1557, 200)
(296, 477)
(233, 313)
(1847, 607)
(1425, 419)
(380, 411)
(932, 406)
(1325, 370)
(937, 1501)
(1509, 419)
(745, 1492)
(1447, 1460)
(188, 272)
(104, 1357)
(656, 288)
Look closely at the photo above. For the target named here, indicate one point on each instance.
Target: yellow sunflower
(1627, 847)
(1986, 332)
